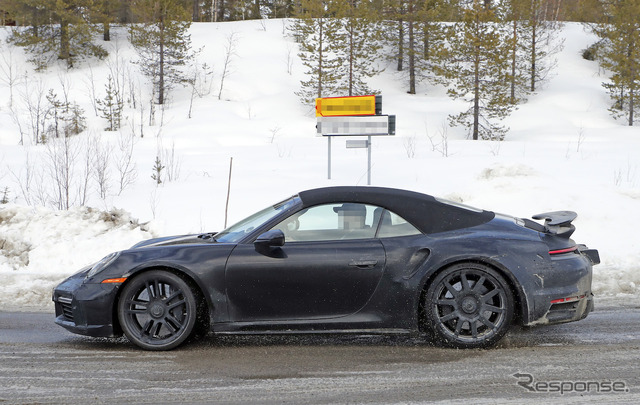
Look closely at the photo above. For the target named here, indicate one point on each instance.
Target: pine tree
(62, 118)
(621, 36)
(539, 42)
(105, 13)
(533, 45)
(585, 11)
(518, 85)
(315, 28)
(358, 43)
(76, 121)
(111, 106)
(417, 37)
(477, 71)
(55, 29)
(393, 15)
(162, 42)
(433, 35)
(55, 115)
(4, 199)
(410, 17)
(281, 8)
(156, 174)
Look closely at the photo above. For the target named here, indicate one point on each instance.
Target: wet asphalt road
(597, 359)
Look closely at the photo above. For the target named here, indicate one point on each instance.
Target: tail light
(564, 250)
(568, 299)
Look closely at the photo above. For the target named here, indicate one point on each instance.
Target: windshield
(235, 233)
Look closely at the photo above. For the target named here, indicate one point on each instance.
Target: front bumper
(86, 309)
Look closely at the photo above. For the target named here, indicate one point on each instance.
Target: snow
(563, 152)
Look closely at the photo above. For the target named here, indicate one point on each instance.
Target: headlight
(102, 264)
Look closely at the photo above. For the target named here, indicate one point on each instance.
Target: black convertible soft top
(423, 211)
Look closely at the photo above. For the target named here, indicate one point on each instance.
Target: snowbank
(40, 247)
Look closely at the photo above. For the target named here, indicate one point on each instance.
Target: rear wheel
(468, 305)
(157, 310)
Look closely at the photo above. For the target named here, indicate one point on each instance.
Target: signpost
(353, 116)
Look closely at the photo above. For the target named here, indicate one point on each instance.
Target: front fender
(203, 264)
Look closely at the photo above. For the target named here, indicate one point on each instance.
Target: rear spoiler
(558, 222)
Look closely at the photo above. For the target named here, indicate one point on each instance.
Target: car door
(329, 266)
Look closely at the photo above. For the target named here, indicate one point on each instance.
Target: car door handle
(363, 264)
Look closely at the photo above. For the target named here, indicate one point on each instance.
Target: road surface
(597, 359)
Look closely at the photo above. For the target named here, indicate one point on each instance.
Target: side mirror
(272, 238)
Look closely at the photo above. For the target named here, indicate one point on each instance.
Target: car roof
(428, 214)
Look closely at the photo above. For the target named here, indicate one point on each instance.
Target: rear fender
(521, 302)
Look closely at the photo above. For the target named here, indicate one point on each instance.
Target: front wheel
(468, 305)
(157, 310)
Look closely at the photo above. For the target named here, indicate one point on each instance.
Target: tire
(468, 305)
(157, 310)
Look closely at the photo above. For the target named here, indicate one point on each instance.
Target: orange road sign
(348, 106)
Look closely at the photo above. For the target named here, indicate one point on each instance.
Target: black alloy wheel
(468, 305)
(157, 310)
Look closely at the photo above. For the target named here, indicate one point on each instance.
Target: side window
(394, 225)
(331, 222)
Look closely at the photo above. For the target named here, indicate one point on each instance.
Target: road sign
(348, 106)
(358, 144)
(356, 126)
(353, 116)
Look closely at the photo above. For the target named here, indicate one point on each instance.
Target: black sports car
(340, 259)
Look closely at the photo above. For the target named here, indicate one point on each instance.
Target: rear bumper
(564, 293)
(85, 309)
(562, 312)
(570, 311)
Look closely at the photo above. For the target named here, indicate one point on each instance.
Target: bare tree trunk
(230, 52)
(320, 56)
(351, 62)
(62, 154)
(426, 43)
(125, 163)
(196, 11)
(256, 9)
(513, 59)
(214, 10)
(64, 43)
(412, 60)
(87, 173)
(476, 96)
(400, 44)
(106, 31)
(631, 105)
(533, 53)
(9, 72)
(534, 31)
(556, 16)
(161, 66)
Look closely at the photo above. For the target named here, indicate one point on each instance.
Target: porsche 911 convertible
(340, 260)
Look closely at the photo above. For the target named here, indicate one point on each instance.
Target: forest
(490, 54)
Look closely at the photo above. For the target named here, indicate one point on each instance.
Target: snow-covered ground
(564, 151)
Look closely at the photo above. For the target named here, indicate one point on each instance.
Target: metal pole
(369, 161)
(226, 207)
(329, 157)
